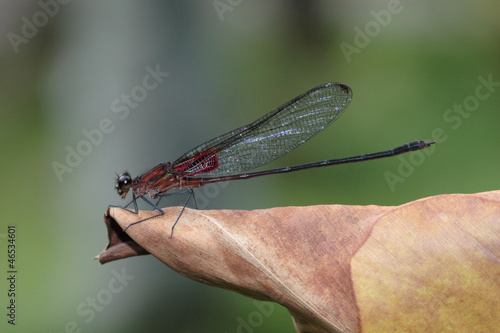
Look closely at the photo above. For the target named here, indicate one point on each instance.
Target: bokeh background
(65, 65)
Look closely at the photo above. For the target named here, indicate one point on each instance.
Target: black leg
(194, 199)
(134, 200)
(190, 194)
(160, 212)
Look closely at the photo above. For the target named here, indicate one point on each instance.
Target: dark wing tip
(343, 87)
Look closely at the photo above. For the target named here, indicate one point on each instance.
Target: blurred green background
(65, 65)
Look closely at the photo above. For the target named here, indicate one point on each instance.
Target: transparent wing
(269, 137)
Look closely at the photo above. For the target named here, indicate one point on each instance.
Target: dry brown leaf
(429, 265)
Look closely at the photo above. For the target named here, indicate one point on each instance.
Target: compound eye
(123, 183)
